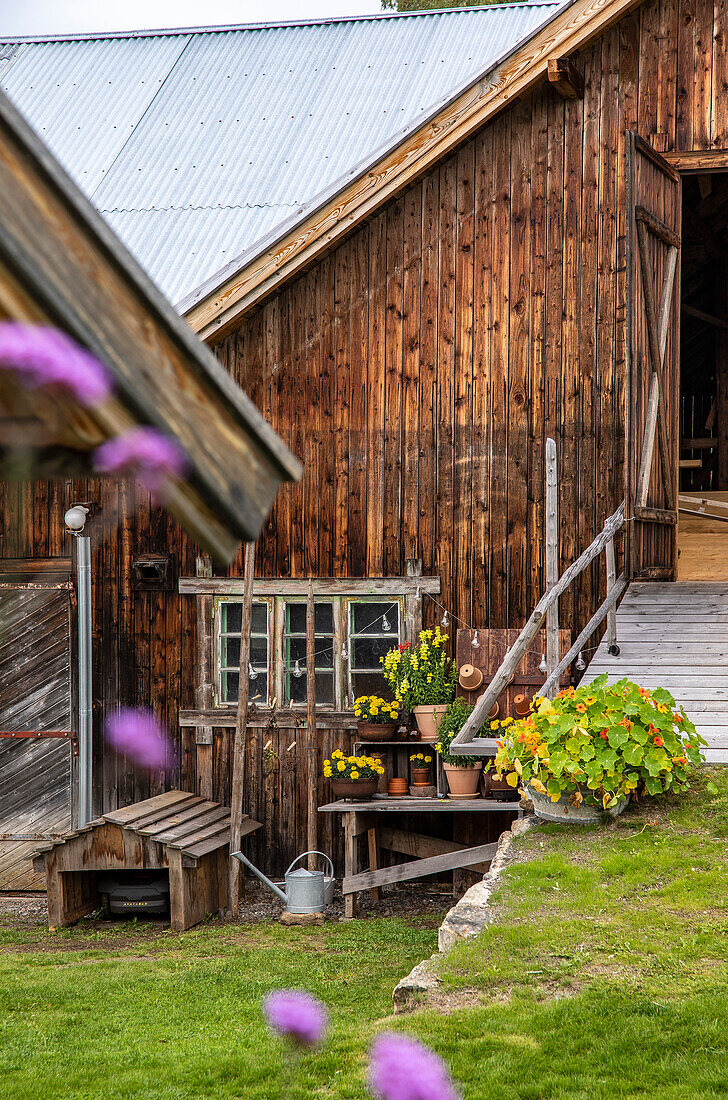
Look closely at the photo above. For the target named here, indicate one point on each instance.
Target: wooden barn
(533, 247)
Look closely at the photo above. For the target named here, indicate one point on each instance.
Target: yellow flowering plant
(420, 760)
(423, 674)
(600, 742)
(352, 767)
(371, 708)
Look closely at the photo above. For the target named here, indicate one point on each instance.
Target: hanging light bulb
(445, 619)
(543, 667)
(385, 623)
(344, 652)
(476, 641)
(297, 670)
(580, 665)
(252, 674)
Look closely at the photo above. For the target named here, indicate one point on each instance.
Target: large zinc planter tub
(564, 811)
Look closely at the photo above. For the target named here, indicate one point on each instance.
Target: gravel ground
(428, 903)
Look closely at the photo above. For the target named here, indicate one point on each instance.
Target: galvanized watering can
(306, 891)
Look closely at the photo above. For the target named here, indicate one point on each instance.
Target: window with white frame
(351, 634)
(229, 618)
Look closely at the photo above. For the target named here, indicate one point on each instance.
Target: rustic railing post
(552, 557)
(241, 727)
(312, 738)
(612, 613)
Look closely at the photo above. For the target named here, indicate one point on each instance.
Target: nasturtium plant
(600, 742)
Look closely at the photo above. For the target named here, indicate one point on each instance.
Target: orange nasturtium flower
(580, 708)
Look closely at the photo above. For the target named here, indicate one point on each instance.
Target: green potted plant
(463, 772)
(585, 753)
(376, 718)
(354, 777)
(420, 764)
(422, 678)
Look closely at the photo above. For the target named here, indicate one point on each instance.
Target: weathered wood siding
(416, 371)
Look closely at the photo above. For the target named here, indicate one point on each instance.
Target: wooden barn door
(653, 361)
(36, 739)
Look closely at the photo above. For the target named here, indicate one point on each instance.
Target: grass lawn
(605, 976)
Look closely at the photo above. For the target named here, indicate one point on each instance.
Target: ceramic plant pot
(462, 781)
(398, 787)
(500, 790)
(522, 706)
(420, 777)
(354, 789)
(428, 719)
(571, 815)
(377, 731)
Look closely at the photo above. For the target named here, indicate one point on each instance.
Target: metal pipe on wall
(85, 696)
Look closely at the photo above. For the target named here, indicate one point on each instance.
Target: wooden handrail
(462, 743)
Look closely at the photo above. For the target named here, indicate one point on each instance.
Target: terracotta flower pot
(377, 731)
(522, 706)
(398, 787)
(500, 790)
(355, 789)
(421, 777)
(462, 781)
(428, 719)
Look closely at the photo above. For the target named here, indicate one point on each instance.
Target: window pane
(258, 689)
(232, 618)
(369, 683)
(231, 653)
(296, 650)
(324, 689)
(259, 618)
(368, 618)
(230, 681)
(259, 652)
(365, 652)
(323, 618)
(296, 618)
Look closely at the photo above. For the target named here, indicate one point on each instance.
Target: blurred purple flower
(403, 1069)
(141, 736)
(144, 452)
(297, 1015)
(46, 357)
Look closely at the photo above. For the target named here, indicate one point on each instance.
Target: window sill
(225, 717)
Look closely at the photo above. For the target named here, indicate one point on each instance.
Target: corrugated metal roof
(196, 144)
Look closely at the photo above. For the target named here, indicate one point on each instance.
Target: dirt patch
(418, 905)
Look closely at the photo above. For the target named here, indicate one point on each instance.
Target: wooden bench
(183, 833)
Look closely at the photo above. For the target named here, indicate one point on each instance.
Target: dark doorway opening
(703, 474)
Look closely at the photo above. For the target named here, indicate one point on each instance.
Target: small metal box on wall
(153, 573)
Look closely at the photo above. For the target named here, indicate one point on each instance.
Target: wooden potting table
(432, 854)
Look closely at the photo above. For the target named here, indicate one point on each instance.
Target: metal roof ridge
(227, 28)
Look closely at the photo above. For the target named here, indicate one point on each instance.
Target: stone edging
(467, 918)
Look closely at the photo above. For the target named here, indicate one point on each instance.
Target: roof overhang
(218, 307)
(61, 265)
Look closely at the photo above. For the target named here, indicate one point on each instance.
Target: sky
(37, 17)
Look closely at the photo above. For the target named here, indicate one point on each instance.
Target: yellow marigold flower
(428, 759)
(429, 677)
(494, 725)
(341, 765)
(355, 774)
(338, 753)
(507, 721)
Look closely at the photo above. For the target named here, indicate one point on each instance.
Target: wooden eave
(61, 265)
(571, 29)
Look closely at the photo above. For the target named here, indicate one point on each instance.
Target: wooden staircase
(676, 636)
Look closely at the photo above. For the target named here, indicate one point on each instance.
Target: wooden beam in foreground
(565, 78)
